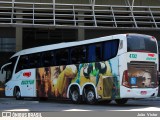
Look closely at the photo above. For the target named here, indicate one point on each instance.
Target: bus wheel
(75, 95)
(121, 101)
(90, 96)
(18, 94)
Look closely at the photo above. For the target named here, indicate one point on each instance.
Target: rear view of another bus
(139, 67)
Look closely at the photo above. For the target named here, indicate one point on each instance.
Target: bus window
(110, 49)
(78, 55)
(94, 53)
(141, 43)
(23, 63)
(62, 57)
(48, 59)
(35, 60)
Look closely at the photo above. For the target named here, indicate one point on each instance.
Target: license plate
(143, 92)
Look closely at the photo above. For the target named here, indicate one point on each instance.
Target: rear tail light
(125, 80)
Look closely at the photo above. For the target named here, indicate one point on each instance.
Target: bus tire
(74, 95)
(90, 96)
(18, 94)
(121, 101)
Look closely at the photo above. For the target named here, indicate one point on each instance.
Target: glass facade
(7, 45)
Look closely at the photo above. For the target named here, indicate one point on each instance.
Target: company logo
(27, 82)
(6, 114)
(149, 58)
(27, 74)
(151, 55)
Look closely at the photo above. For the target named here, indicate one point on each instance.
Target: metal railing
(27, 14)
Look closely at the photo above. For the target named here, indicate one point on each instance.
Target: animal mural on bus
(43, 81)
(54, 81)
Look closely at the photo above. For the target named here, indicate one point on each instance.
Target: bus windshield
(8, 68)
(139, 43)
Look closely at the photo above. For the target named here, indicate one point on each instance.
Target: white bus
(117, 67)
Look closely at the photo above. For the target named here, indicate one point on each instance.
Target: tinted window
(62, 57)
(95, 52)
(110, 49)
(35, 60)
(23, 63)
(48, 59)
(78, 55)
(141, 43)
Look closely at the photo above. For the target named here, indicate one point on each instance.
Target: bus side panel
(54, 81)
(25, 80)
(116, 78)
(43, 82)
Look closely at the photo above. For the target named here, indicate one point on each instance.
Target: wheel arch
(90, 85)
(15, 89)
(74, 85)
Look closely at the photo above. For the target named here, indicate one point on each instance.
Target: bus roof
(64, 45)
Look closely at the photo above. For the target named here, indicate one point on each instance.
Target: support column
(19, 31)
(81, 30)
(19, 38)
(81, 34)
